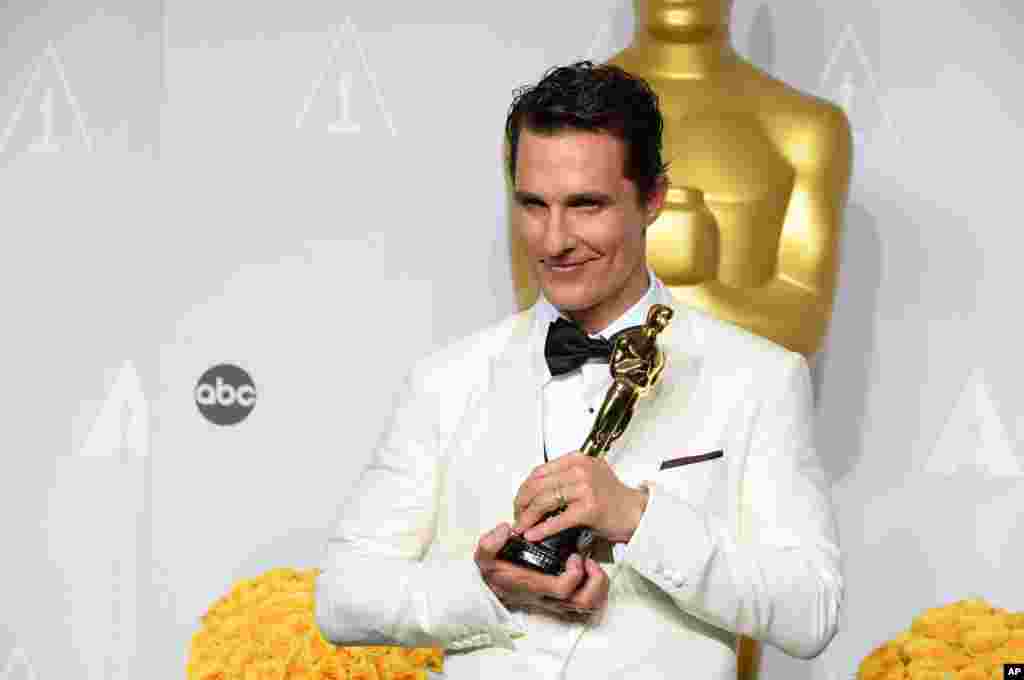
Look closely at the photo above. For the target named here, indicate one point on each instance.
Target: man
(742, 543)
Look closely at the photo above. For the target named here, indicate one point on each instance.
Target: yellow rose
(973, 672)
(984, 639)
(264, 629)
(926, 648)
(974, 606)
(964, 640)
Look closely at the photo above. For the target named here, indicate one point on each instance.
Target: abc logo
(225, 394)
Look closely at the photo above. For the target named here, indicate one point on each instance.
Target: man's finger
(594, 593)
(513, 578)
(560, 596)
(568, 582)
(526, 496)
(539, 492)
(552, 525)
(543, 503)
(491, 542)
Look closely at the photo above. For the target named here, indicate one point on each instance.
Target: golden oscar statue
(759, 175)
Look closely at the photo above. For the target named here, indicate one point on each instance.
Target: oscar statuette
(636, 364)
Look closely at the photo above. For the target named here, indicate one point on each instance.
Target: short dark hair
(597, 98)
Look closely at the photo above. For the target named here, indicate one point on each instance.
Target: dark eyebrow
(572, 200)
(588, 197)
(529, 197)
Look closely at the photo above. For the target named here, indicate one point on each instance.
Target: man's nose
(558, 236)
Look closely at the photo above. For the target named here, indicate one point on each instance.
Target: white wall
(197, 209)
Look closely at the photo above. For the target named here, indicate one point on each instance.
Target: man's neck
(599, 317)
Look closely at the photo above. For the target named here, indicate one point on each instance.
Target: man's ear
(656, 202)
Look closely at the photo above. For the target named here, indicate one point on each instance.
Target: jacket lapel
(496, 446)
(516, 403)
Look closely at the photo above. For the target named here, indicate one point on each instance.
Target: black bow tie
(568, 347)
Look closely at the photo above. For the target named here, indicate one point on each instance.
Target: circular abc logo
(225, 394)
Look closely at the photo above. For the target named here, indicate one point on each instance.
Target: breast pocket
(689, 481)
(692, 477)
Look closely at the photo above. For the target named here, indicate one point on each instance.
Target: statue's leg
(625, 415)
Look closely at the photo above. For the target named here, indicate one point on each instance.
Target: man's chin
(568, 303)
(569, 296)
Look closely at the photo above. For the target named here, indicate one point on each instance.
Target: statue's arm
(809, 245)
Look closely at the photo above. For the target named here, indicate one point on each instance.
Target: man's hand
(581, 590)
(593, 495)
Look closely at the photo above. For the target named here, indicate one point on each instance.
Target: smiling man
(713, 504)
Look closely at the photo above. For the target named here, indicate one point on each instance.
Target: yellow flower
(984, 639)
(965, 640)
(264, 629)
(873, 668)
(973, 672)
(926, 648)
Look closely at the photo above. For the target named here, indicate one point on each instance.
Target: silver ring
(562, 504)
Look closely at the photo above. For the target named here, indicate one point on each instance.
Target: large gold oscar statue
(759, 175)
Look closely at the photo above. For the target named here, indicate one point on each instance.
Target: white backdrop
(185, 183)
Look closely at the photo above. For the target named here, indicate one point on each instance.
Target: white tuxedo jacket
(742, 544)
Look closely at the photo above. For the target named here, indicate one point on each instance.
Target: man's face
(582, 223)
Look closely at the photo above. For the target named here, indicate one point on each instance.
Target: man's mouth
(565, 267)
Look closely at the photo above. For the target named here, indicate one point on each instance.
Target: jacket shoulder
(739, 347)
(468, 355)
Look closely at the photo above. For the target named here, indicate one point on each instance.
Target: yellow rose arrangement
(264, 629)
(965, 640)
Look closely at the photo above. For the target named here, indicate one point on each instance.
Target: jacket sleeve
(773, 575)
(374, 587)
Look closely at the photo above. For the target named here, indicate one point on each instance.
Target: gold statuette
(636, 365)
